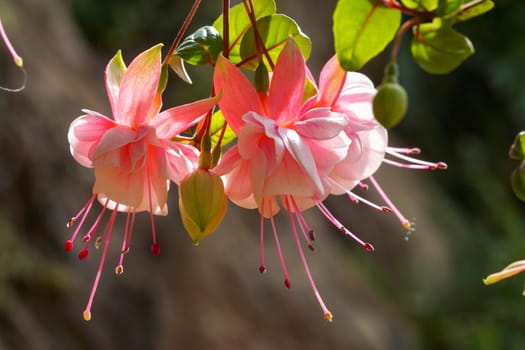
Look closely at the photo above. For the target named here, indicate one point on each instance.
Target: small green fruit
(390, 104)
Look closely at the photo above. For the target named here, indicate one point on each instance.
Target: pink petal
(365, 155)
(181, 160)
(331, 82)
(138, 87)
(121, 186)
(115, 138)
(84, 135)
(287, 84)
(238, 94)
(320, 124)
(300, 152)
(173, 121)
(113, 76)
(356, 98)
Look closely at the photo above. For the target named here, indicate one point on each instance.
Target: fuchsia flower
(293, 153)
(132, 155)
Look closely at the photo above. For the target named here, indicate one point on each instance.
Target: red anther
(70, 223)
(415, 151)
(155, 249)
(311, 247)
(287, 283)
(98, 242)
(386, 209)
(369, 247)
(119, 270)
(86, 238)
(262, 269)
(311, 235)
(442, 165)
(125, 251)
(83, 254)
(68, 246)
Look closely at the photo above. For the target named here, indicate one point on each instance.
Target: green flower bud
(261, 79)
(518, 181)
(390, 104)
(202, 203)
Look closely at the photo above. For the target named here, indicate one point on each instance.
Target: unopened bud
(390, 104)
(202, 203)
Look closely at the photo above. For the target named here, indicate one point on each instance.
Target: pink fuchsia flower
(352, 94)
(287, 150)
(132, 154)
(509, 271)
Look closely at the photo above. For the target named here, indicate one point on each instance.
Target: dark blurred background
(420, 293)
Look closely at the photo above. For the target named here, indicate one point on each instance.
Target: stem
(393, 4)
(402, 30)
(261, 49)
(226, 28)
(182, 30)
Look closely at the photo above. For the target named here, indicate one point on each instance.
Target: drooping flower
(294, 153)
(132, 154)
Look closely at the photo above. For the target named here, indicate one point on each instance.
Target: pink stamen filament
(85, 211)
(302, 224)
(363, 186)
(17, 59)
(415, 161)
(341, 228)
(262, 265)
(109, 228)
(279, 251)
(120, 267)
(327, 314)
(400, 216)
(155, 247)
(88, 237)
(410, 166)
(405, 150)
(356, 199)
(128, 241)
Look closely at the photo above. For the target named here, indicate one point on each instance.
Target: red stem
(182, 30)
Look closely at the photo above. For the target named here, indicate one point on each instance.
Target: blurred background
(421, 291)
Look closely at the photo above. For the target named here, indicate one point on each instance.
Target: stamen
(327, 314)
(123, 247)
(401, 217)
(279, 251)
(405, 150)
(84, 211)
(341, 228)
(155, 247)
(17, 59)
(302, 224)
(415, 163)
(128, 241)
(362, 185)
(111, 222)
(262, 265)
(369, 203)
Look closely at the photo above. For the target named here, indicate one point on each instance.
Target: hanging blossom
(132, 154)
(293, 153)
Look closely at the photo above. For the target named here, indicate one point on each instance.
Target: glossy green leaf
(421, 5)
(517, 150)
(362, 29)
(240, 23)
(217, 123)
(439, 49)
(201, 47)
(474, 11)
(274, 31)
(447, 8)
(517, 180)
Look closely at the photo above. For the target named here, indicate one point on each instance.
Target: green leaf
(439, 49)
(201, 47)
(448, 8)
(517, 180)
(517, 150)
(240, 23)
(421, 5)
(362, 29)
(274, 30)
(474, 11)
(217, 123)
